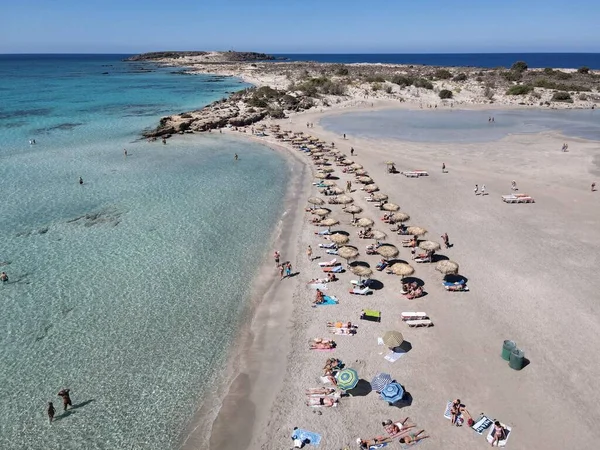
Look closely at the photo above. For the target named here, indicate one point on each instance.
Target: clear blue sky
(294, 26)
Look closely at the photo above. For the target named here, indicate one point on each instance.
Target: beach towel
(303, 435)
(319, 286)
(376, 446)
(482, 424)
(327, 300)
(501, 443)
(447, 413)
(392, 356)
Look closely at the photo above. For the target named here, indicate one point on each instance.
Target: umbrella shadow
(419, 282)
(73, 409)
(345, 233)
(362, 388)
(376, 285)
(405, 347)
(438, 258)
(391, 262)
(403, 402)
(456, 279)
(359, 263)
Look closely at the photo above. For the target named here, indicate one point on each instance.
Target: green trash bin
(516, 359)
(507, 348)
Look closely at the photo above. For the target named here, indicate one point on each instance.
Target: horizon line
(312, 53)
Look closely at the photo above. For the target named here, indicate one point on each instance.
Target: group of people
(285, 269)
(66, 399)
(477, 189)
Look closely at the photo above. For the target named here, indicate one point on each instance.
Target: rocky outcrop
(229, 56)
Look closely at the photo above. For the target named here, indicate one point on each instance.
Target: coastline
(245, 400)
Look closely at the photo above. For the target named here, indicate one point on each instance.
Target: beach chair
(381, 265)
(361, 291)
(410, 174)
(331, 252)
(456, 287)
(419, 323)
(335, 269)
(371, 315)
(410, 315)
(426, 259)
(331, 263)
(330, 245)
(421, 173)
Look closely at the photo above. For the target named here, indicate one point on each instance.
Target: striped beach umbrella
(347, 379)
(380, 381)
(392, 393)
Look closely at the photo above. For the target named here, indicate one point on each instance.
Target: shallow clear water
(126, 289)
(463, 126)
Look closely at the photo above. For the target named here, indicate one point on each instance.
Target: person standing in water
(80, 180)
(66, 398)
(51, 411)
(4, 277)
(235, 157)
(125, 152)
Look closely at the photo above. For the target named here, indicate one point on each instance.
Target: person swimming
(80, 180)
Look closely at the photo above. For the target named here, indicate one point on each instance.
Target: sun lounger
(410, 174)
(330, 245)
(419, 323)
(456, 288)
(423, 260)
(331, 263)
(413, 315)
(335, 269)
(448, 283)
(517, 198)
(323, 232)
(381, 265)
(361, 291)
(371, 315)
(502, 442)
(331, 252)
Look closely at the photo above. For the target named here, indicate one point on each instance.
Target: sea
(486, 60)
(127, 289)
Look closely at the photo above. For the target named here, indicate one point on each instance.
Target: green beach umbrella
(347, 379)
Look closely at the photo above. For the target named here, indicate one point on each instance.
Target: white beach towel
(502, 443)
(393, 356)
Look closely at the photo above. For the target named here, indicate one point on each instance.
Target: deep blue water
(490, 60)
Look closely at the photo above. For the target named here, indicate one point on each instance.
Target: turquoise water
(463, 126)
(128, 288)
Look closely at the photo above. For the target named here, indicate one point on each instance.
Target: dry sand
(531, 271)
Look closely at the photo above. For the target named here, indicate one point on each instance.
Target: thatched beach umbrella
(399, 217)
(365, 180)
(347, 162)
(393, 339)
(364, 222)
(347, 252)
(389, 163)
(353, 209)
(321, 212)
(339, 239)
(379, 197)
(327, 170)
(447, 267)
(360, 172)
(334, 190)
(402, 269)
(371, 188)
(362, 271)
(321, 175)
(329, 222)
(379, 235)
(356, 166)
(387, 251)
(328, 183)
(342, 199)
(391, 207)
(316, 201)
(429, 245)
(416, 231)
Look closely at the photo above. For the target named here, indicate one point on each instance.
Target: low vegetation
(562, 96)
(519, 89)
(445, 93)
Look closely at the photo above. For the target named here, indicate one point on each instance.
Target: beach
(530, 272)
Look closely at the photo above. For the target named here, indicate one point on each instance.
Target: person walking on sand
(281, 271)
(348, 186)
(344, 135)
(446, 240)
(51, 411)
(309, 253)
(443, 167)
(276, 255)
(288, 269)
(593, 186)
(476, 190)
(513, 185)
(66, 398)
(483, 189)
(351, 151)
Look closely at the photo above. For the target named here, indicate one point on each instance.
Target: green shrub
(460, 77)
(402, 80)
(256, 102)
(562, 75)
(562, 96)
(549, 84)
(519, 89)
(341, 70)
(584, 70)
(374, 79)
(276, 113)
(583, 97)
(536, 95)
(512, 75)
(442, 74)
(376, 87)
(423, 83)
(519, 66)
(445, 93)
(548, 71)
(388, 89)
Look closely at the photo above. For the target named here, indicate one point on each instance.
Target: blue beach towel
(375, 447)
(314, 438)
(327, 300)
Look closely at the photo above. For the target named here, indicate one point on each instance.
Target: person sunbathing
(322, 401)
(498, 434)
(332, 364)
(331, 277)
(320, 298)
(320, 391)
(330, 377)
(456, 410)
(365, 444)
(413, 438)
(398, 427)
(340, 324)
(415, 293)
(322, 345)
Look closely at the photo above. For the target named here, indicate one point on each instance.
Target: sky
(300, 26)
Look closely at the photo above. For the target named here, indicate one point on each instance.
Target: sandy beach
(530, 273)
